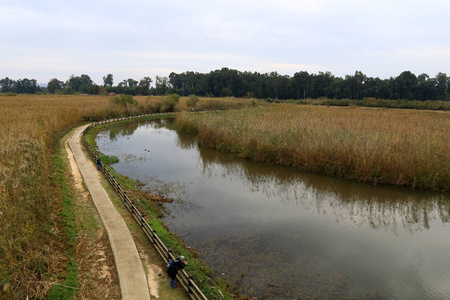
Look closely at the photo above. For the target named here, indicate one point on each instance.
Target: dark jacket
(173, 268)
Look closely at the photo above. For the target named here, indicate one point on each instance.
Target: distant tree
(321, 85)
(132, 83)
(123, 83)
(6, 85)
(74, 82)
(108, 80)
(93, 89)
(162, 85)
(360, 78)
(86, 83)
(144, 86)
(55, 85)
(178, 82)
(26, 85)
(442, 86)
(80, 83)
(405, 85)
(68, 90)
(426, 88)
(302, 81)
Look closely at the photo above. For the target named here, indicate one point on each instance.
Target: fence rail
(166, 254)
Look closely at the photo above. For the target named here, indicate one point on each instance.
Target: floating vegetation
(171, 192)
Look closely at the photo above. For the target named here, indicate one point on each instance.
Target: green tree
(80, 83)
(55, 85)
(321, 85)
(360, 78)
(162, 85)
(132, 83)
(68, 90)
(108, 80)
(442, 86)
(144, 86)
(93, 89)
(426, 88)
(26, 85)
(405, 85)
(302, 82)
(6, 85)
(74, 82)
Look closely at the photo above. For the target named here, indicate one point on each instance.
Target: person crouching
(173, 267)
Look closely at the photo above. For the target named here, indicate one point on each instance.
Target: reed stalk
(379, 146)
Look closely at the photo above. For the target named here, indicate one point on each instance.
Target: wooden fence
(183, 277)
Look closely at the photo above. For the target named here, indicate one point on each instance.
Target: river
(278, 233)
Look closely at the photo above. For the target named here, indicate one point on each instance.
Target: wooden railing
(166, 254)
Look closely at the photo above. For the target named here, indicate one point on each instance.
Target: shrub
(168, 103)
(124, 100)
(192, 101)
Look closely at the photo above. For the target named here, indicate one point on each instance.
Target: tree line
(229, 82)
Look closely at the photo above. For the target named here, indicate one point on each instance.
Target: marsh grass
(36, 241)
(379, 146)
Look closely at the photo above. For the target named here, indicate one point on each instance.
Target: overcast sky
(43, 39)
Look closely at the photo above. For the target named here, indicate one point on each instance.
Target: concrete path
(133, 283)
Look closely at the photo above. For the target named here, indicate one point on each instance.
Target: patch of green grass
(109, 160)
(67, 288)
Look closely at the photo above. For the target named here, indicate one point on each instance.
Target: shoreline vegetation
(37, 240)
(37, 244)
(377, 146)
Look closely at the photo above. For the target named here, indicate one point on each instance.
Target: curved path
(133, 283)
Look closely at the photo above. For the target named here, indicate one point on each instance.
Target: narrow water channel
(278, 233)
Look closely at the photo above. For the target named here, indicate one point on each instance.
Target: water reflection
(281, 234)
(122, 130)
(385, 207)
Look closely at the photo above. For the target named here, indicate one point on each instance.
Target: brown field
(380, 146)
(373, 145)
(35, 238)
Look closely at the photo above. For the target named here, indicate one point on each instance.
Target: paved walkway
(133, 283)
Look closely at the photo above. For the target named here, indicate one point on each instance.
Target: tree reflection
(122, 130)
(382, 207)
(127, 129)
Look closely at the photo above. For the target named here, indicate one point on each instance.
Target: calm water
(282, 234)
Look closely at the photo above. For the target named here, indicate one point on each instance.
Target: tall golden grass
(33, 246)
(379, 146)
(32, 242)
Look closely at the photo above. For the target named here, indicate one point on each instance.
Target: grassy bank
(378, 146)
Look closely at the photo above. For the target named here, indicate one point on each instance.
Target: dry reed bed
(380, 146)
(32, 244)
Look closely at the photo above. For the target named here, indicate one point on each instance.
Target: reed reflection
(382, 207)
